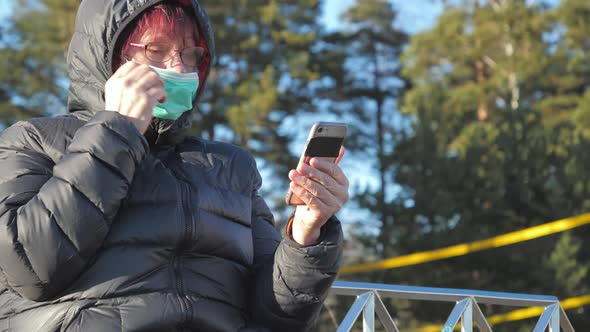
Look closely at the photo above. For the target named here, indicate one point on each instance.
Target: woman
(113, 219)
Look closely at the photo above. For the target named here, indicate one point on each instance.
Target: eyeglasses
(162, 52)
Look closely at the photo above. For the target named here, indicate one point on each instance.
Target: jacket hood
(99, 23)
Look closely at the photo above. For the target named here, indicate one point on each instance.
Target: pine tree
(32, 59)
(486, 154)
(362, 64)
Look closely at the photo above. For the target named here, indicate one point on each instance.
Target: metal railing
(369, 302)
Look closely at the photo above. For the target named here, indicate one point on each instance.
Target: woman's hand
(323, 187)
(133, 91)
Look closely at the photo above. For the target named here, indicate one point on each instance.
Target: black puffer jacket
(104, 229)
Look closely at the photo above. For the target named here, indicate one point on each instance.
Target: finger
(142, 106)
(324, 179)
(307, 197)
(315, 189)
(147, 80)
(340, 155)
(157, 94)
(140, 71)
(332, 169)
(141, 85)
(125, 69)
(304, 160)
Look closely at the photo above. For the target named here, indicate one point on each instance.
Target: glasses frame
(173, 51)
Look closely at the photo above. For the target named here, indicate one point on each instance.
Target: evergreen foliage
(32, 59)
(496, 146)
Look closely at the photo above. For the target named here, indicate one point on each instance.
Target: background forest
(475, 126)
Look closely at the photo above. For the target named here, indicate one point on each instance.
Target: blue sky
(415, 15)
(5, 8)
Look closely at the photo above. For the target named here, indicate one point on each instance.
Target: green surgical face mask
(181, 89)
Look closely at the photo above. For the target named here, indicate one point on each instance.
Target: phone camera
(320, 129)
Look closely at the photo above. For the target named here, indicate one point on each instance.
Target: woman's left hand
(323, 187)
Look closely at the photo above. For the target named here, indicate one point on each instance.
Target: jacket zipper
(177, 263)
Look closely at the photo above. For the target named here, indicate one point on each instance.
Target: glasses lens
(192, 56)
(158, 52)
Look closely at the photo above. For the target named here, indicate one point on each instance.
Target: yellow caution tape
(467, 248)
(520, 314)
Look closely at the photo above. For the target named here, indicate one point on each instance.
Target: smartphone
(324, 140)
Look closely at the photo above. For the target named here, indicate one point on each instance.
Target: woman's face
(167, 49)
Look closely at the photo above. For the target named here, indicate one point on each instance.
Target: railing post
(467, 317)
(354, 312)
(554, 323)
(369, 314)
(457, 314)
(384, 315)
(480, 319)
(549, 319)
(565, 323)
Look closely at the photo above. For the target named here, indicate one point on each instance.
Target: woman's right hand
(133, 91)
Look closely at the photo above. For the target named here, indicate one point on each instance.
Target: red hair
(171, 19)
